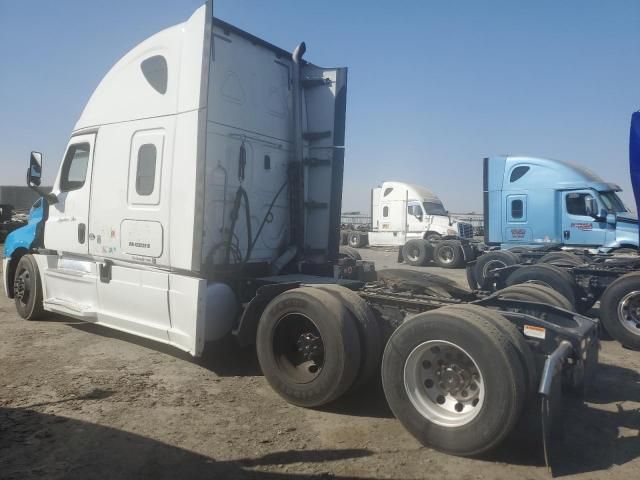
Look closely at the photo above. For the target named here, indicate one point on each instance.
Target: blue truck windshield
(612, 202)
(434, 208)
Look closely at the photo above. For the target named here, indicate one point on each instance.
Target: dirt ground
(80, 401)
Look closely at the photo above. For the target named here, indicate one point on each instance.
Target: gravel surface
(81, 401)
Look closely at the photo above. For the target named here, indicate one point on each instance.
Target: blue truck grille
(465, 230)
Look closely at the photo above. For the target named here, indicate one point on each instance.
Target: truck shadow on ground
(594, 437)
(37, 445)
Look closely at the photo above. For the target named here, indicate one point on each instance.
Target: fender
(23, 239)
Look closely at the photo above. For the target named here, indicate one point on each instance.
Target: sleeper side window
(145, 167)
(385, 211)
(517, 209)
(146, 172)
(74, 168)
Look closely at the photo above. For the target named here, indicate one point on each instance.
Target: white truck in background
(403, 214)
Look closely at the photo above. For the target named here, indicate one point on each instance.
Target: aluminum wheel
(446, 254)
(629, 312)
(490, 266)
(413, 253)
(444, 383)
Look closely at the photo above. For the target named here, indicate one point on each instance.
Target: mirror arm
(50, 197)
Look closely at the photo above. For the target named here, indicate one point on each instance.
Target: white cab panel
(187, 304)
(69, 285)
(135, 301)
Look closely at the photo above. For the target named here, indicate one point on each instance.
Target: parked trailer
(193, 202)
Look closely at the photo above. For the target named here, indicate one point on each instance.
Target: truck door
(578, 226)
(415, 218)
(70, 281)
(67, 224)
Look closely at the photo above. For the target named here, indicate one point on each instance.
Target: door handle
(567, 234)
(82, 232)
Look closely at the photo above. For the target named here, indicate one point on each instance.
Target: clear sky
(434, 86)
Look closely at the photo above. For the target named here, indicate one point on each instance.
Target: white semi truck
(414, 219)
(200, 196)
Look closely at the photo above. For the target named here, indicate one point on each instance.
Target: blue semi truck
(538, 201)
(534, 207)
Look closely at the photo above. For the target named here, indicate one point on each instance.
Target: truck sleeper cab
(409, 215)
(200, 195)
(536, 201)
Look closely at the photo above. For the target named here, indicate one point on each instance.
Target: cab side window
(74, 168)
(577, 203)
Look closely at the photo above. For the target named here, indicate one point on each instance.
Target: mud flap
(550, 391)
(550, 420)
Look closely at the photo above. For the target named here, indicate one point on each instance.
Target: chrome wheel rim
(490, 266)
(629, 312)
(443, 383)
(446, 254)
(413, 254)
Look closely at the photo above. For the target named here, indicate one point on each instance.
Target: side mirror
(418, 216)
(611, 218)
(34, 174)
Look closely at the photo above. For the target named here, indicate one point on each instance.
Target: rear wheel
(308, 346)
(368, 330)
(547, 275)
(516, 338)
(620, 310)
(414, 252)
(350, 252)
(356, 239)
(448, 254)
(454, 380)
(625, 251)
(27, 289)
(536, 293)
(561, 259)
(490, 261)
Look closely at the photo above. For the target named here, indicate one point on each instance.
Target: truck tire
(469, 350)
(625, 251)
(414, 252)
(27, 289)
(517, 340)
(561, 259)
(448, 254)
(547, 275)
(350, 252)
(368, 331)
(489, 261)
(308, 346)
(620, 310)
(519, 250)
(357, 239)
(536, 293)
(432, 236)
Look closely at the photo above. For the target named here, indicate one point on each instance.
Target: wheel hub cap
(443, 383)
(629, 312)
